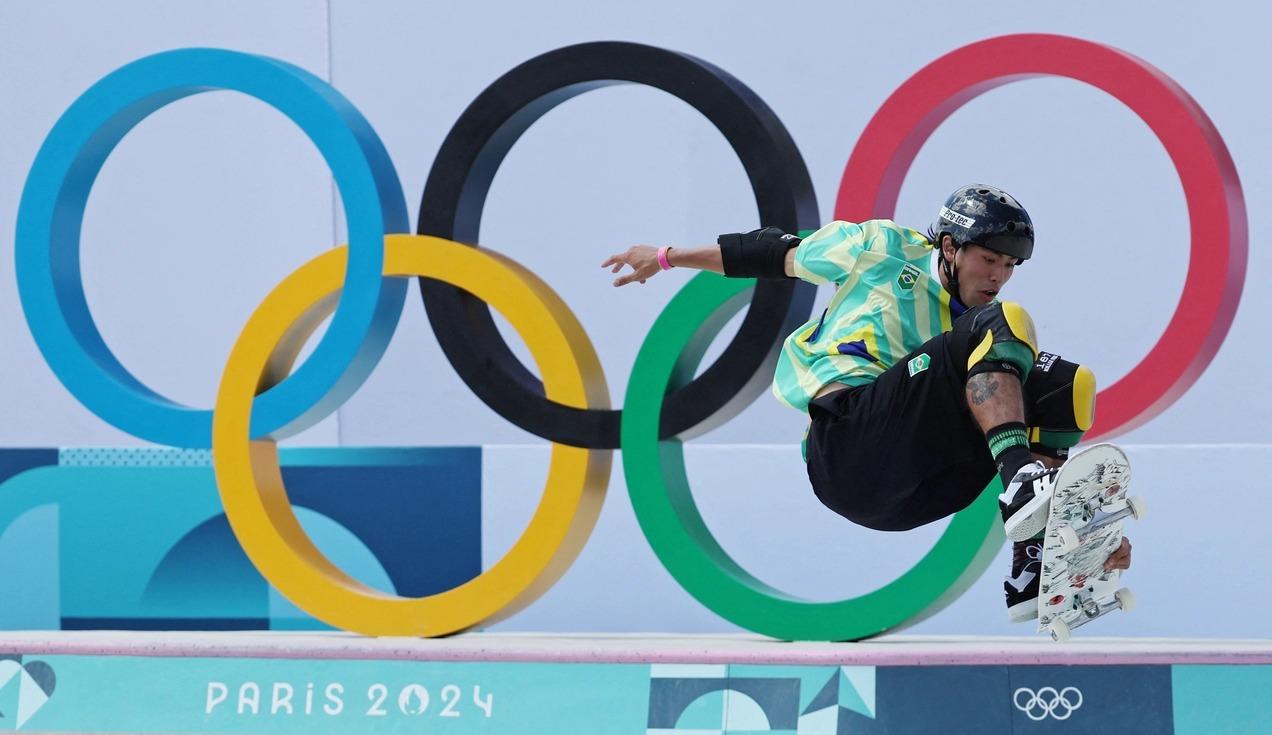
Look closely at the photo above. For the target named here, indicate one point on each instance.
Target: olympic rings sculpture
(362, 288)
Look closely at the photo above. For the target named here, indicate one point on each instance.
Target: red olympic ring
(1216, 209)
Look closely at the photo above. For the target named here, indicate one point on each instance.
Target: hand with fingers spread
(643, 260)
(647, 260)
(1121, 558)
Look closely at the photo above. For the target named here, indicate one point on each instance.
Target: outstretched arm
(643, 260)
(763, 253)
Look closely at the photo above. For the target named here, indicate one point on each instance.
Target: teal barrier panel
(261, 695)
(1215, 699)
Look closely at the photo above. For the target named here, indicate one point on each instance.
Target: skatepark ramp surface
(318, 682)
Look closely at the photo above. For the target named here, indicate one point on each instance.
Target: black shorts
(904, 450)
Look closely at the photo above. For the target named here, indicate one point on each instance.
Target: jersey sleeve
(829, 254)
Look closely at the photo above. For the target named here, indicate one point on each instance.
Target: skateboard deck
(1089, 507)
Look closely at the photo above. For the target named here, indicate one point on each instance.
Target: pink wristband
(662, 258)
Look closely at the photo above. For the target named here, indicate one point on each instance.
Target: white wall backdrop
(213, 200)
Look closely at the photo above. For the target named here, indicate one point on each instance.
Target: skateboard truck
(1091, 609)
(1070, 538)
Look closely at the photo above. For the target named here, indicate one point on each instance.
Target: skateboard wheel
(1138, 506)
(1059, 630)
(1125, 599)
(1068, 539)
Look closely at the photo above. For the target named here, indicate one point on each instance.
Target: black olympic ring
(1046, 701)
(460, 178)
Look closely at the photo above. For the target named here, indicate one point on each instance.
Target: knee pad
(1059, 404)
(1004, 339)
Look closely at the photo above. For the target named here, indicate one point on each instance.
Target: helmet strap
(951, 273)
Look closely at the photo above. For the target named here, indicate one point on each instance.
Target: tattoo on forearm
(982, 387)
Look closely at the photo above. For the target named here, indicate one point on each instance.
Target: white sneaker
(1026, 501)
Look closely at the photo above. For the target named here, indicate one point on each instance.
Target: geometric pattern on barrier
(24, 689)
(136, 538)
(730, 700)
(727, 699)
(141, 457)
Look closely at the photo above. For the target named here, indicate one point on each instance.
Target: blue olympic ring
(51, 214)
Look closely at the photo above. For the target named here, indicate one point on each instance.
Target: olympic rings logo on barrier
(362, 287)
(1047, 702)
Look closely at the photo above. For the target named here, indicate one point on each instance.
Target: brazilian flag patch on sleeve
(909, 276)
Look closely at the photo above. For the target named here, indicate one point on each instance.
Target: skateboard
(1089, 506)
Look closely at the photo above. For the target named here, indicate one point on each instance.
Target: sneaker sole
(1023, 612)
(1029, 520)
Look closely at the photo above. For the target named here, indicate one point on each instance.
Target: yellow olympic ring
(250, 479)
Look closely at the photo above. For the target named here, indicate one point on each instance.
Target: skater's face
(982, 273)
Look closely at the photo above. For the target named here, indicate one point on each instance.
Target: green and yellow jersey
(885, 307)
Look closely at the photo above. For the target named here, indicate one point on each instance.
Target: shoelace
(1038, 475)
(1032, 553)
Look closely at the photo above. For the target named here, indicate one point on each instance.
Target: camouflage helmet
(984, 215)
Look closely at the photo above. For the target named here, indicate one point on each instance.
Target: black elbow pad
(756, 254)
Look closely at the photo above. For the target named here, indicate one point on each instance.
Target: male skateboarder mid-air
(918, 388)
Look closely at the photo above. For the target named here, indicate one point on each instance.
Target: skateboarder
(918, 388)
